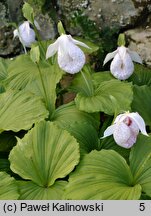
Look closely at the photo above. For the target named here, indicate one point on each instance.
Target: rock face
(119, 14)
(112, 13)
(47, 26)
(10, 11)
(8, 47)
(140, 41)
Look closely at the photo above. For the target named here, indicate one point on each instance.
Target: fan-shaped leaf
(7, 141)
(142, 102)
(27, 76)
(140, 163)
(45, 154)
(8, 187)
(109, 143)
(51, 76)
(86, 135)
(83, 82)
(102, 76)
(3, 68)
(31, 191)
(109, 97)
(4, 165)
(67, 114)
(20, 110)
(141, 76)
(102, 175)
(21, 72)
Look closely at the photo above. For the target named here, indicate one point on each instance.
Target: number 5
(142, 206)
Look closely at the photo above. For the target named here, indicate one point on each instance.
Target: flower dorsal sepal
(61, 29)
(125, 129)
(121, 40)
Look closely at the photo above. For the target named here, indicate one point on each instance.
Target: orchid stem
(43, 85)
(39, 39)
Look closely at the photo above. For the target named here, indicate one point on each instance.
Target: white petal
(109, 131)
(52, 49)
(120, 117)
(121, 133)
(24, 27)
(109, 56)
(122, 67)
(72, 59)
(28, 38)
(135, 57)
(130, 142)
(139, 121)
(26, 34)
(79, 42)
(122, 50)
(134, 127)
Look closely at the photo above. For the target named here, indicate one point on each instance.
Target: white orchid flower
(70, 57)
(122, 65)
(126, 128)
(26, 34)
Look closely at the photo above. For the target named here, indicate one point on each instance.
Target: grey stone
(47, 26)
(8, 47)
(107, 13)
(140, 41)
(15, 12)
(11, 12)
(3, 13)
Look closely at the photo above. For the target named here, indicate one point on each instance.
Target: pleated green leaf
(20, 110)
(142, 102)
(102, 76)
(4, 165)
(85, 134)
(3, 68)
(67, 114)
(109, 143)
(51, 75)
(83, 82)
(26, 76)
(8, 187)
(140, 163)
(109, 97)
(7, 141)
(102, 175)
(21, 72)
(45, 154)
(141, 75)
(31, 191)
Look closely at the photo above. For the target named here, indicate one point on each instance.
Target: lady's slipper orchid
(122, 65)
(70, 57)
(26, 34)
(126, 128)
